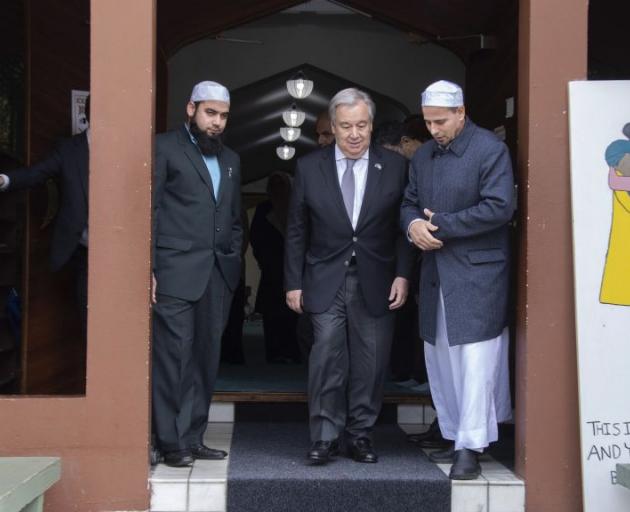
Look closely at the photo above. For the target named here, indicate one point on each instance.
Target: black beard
(208, 145)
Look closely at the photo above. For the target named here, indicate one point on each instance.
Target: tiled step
(203, 488)
(498, 489)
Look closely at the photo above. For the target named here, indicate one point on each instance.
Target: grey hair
(350, 97)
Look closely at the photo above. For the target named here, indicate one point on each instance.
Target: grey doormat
(268, 472)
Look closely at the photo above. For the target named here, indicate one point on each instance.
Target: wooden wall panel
(59, 47)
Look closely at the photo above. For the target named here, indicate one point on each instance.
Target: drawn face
(353, 129)
(444, 123)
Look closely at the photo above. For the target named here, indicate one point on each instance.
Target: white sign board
(79, 119)
(600, 187)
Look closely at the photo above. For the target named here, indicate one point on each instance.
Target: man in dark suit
(457, 207)
(347, 265)
(197, 238)
(68, 164)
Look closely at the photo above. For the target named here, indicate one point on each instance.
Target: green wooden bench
(24, 480)
(623, 475)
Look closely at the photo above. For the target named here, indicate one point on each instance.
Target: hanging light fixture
(290, 134)
(285, 152)
(299, 86)
(293, 117)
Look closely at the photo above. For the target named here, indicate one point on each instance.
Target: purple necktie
(347, 187)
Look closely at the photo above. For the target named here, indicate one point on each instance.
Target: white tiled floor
(203, 487)
(497, 489)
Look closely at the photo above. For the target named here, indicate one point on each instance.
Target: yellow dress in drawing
(616, 279)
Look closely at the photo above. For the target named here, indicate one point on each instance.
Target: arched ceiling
(256, 118)
(449, 22)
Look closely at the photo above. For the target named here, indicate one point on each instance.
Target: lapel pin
(229, 172)
(378, 166)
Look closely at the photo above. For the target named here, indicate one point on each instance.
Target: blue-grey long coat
(470, 188)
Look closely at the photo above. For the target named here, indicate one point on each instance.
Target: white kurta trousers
(470, 386)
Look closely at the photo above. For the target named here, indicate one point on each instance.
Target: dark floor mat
(268, 471)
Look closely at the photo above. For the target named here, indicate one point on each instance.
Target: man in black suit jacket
(68, 164)
(197, 238)
(347, 265)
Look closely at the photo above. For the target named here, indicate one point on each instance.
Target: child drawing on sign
(616, 279)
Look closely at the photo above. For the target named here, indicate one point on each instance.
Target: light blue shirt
(212, 164)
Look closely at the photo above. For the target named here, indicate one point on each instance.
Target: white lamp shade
(290, 134)
(285, 152)
(300, 87)
(293, 117)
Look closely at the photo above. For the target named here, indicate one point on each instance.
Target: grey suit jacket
(470, 189)
(191, 230)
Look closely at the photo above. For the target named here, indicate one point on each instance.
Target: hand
(420, 234)
(398, 294)
(153, 288)
(294, 300)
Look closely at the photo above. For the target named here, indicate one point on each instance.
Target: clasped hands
(420, 232)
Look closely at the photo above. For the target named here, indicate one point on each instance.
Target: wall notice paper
(79, 119)
(599, 115)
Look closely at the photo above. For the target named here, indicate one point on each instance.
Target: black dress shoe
(179, 459)
(431, 438)
(465, 465)
(322, 451)
(361, 450)
(200, 451)
(156, 455)
(443, 456)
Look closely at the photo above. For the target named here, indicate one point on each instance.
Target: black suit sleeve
(297, 234)
(237, 226)
(159, 179)
(35, 174)
(405, 252)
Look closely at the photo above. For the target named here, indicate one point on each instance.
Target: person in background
(325, 136)
(268, 232)
(69, 165)
(232, 340)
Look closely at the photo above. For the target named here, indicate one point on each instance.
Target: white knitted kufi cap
(210, 91)
(443, 94)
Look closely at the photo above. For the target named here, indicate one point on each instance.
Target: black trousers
(347, 365)
(186, 354)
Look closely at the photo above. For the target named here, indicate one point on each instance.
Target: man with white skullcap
(197, 238)
(456, 208)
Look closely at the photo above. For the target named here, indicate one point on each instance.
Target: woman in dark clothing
(267, 239)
